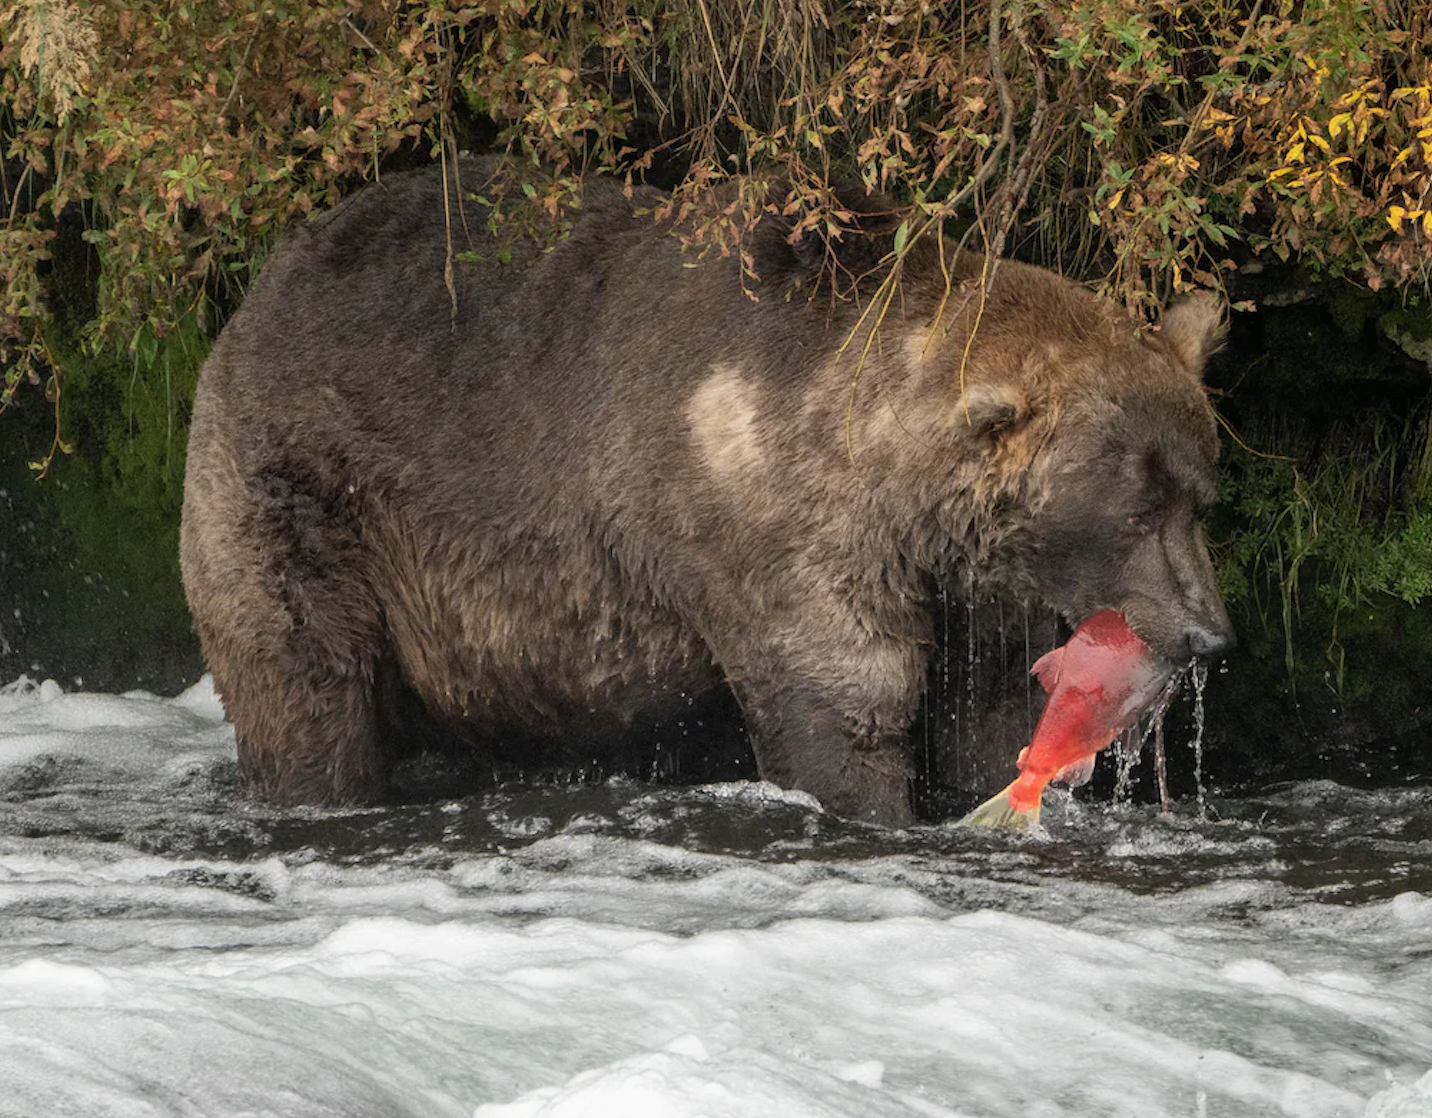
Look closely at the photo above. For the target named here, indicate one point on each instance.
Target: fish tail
(999, 812)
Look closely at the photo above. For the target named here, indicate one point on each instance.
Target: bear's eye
(1142, 522)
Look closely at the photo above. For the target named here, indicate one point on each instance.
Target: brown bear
(585, 480)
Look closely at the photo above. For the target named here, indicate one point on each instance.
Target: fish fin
(998, 812)
(1076, 774)
(1046, 668)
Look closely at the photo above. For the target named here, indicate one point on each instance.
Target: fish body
(1099, 682)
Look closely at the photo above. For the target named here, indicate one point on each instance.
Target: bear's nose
(1209, 643)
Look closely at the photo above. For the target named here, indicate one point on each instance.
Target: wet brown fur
(614, 480)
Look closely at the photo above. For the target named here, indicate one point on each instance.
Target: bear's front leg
(836, 726)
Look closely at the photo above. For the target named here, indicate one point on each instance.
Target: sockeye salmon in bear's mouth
(1098, 682)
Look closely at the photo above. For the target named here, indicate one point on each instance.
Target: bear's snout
(1208, 644)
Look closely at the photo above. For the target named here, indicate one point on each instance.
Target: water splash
(1128, 747)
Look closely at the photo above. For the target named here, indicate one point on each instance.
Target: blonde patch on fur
(923, 345)
(723, 418)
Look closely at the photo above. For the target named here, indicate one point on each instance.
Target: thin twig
(1035, 150)
(15, 199)
(887, 289)
(1232, 434)
(367, 42)
(444, 131)
(238, 74)
(1196, 122)
(1006, 107)
(715, 56)
(985, 272)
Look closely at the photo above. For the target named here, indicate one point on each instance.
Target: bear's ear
(989, 411)
(1193, 328)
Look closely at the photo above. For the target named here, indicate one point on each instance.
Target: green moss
(135, 407)
(1409, 327)
(1350, 308)
(91, 586)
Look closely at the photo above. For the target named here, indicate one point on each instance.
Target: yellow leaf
(1394, 218)
(1295, 154)
(1322, 143)
(1427, 224)
(1335, 126)
(1117, 198)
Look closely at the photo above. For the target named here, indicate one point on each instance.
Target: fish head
(1120, 672)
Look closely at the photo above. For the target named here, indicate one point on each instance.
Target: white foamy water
(728, 951)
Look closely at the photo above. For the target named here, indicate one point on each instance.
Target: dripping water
(940, 707)
(952, 697)
(1161, 766)
(1130, 744)
(972, 649)
(1028, 680)
(1003, 644)
(1200, 678)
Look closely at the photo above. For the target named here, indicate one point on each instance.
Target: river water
(725, 950)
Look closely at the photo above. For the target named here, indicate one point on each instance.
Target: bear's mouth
(1174, 634)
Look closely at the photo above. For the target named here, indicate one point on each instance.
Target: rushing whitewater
(730, 951)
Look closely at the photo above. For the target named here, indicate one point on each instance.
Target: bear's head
(1098, 447)
(1064, 451)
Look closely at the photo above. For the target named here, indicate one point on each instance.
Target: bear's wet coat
(610, 480)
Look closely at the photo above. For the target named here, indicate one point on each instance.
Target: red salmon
(1098, 683)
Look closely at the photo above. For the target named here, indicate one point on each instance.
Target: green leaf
(902, 234)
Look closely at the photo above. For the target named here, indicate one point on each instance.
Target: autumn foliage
(1150, 144)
